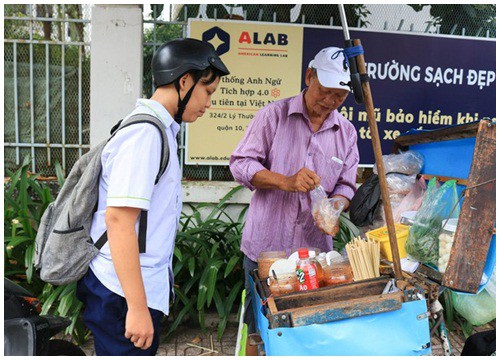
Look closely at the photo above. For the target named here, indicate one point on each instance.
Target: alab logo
(218, 38)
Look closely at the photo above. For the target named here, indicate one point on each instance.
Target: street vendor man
(291, 147)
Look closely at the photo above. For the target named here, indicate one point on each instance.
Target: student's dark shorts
(105, 314)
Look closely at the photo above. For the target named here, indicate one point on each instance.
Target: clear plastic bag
(400, 184)
(326, 211)
(423, 243)
(409, 162)
(412, 201)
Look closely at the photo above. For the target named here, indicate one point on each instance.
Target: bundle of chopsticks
(364, 257)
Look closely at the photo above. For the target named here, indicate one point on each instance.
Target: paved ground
(191, 341)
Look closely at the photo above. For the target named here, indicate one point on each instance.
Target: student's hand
(305, 180)
(139, 328)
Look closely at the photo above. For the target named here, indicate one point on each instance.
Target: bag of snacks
(326, 211)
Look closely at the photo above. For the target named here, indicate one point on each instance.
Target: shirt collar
(298, 106)
(160, 112)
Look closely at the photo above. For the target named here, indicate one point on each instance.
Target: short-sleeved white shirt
(130, 164)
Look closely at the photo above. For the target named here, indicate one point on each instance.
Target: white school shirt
(130, 164)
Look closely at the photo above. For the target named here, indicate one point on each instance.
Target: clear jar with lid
(446, 238)
(338, 273)
(283, 284)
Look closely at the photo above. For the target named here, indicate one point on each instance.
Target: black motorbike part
(59, 347)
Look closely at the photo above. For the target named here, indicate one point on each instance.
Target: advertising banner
(419, 81)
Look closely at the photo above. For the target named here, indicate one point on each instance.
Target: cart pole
(377, 149)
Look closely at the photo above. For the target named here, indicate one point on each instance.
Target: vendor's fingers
(313, 176)
(303, 188)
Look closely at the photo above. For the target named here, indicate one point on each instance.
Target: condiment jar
(266, 259)
(283, 284)
(338, 273)
(446, 237)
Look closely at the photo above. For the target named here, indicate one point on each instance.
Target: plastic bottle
(306, 271)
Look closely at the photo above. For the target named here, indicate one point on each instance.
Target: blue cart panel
(403, 332)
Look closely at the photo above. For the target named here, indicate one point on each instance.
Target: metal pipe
(32, 99)
(80, 100)
(47, 101)
(37, 145)
(16, 105)
(63, 104)
(50, 42)
(343, 21)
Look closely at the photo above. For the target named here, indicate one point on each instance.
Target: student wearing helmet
(290, 147)
(126, 293)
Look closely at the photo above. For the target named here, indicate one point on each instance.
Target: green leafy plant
(25, 200)
(207, 263)
(346, 233)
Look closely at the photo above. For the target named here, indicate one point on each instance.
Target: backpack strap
(164, 158)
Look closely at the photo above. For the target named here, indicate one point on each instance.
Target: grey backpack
(64, 249)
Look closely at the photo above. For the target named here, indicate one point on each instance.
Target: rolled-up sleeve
(346, 184)
(252, 152)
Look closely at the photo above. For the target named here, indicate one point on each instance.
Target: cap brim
(334, 81)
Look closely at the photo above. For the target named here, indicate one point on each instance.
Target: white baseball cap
(332, 67)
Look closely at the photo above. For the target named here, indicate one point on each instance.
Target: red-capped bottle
(306, 271)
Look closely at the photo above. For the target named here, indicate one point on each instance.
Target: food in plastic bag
(409, 162)
(412, 201)
(478, 309)
(423, 244)
(446, 238)
(326, 211)
(400, 183)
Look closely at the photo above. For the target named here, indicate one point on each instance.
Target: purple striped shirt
(280, 138)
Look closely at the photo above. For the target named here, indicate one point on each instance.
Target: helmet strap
(181, 103)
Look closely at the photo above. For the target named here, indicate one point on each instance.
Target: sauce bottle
(306, 271)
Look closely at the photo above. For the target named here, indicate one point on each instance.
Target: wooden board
(451, 133)
(346, 309)
(330, 294)
(477, 217)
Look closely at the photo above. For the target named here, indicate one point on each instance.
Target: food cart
(363, 317)
(358, 318)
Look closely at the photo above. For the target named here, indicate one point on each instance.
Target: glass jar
(283, 284)
(266, 259)
(446, 237)
(338, 273)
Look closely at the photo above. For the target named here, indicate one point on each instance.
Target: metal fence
(46, 85)
(47, 63)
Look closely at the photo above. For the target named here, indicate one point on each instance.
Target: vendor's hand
(340, 200)
(139, 328)
(305, 180)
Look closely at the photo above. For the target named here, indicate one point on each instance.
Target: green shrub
(25, 200)
(207, 263)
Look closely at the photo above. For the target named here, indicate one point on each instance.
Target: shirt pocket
(331, 173)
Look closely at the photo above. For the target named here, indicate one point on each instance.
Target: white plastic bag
(326, 211)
